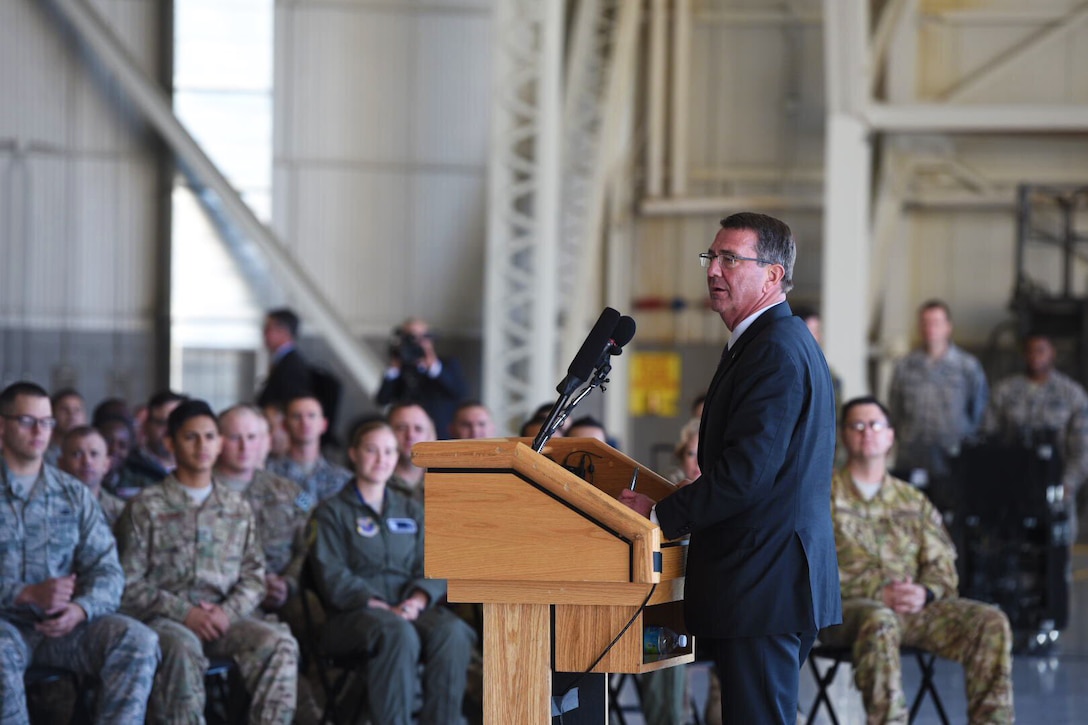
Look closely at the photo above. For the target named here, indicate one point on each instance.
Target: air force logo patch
(366, 526)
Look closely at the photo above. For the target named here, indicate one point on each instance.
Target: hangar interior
(169, 169)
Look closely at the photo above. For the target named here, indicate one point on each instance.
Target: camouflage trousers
(974, 634)
(266, 655)
(119, 652)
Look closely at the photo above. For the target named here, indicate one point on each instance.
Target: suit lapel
(730, 355)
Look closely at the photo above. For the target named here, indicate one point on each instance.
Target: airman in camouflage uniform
(84, 455)
(898, 577)
(305, 422)
(60, 580)
(1043, 400)
(938, 396)
(195, 572)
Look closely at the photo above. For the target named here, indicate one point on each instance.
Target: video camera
(406, 348)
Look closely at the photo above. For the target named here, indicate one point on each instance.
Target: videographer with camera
(417, 375)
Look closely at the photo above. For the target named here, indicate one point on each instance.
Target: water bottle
(662, 641)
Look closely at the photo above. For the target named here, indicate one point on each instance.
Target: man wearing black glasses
(60, 579)
(899, 584)
(761, 570)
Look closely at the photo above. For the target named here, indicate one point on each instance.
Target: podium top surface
(498, 510)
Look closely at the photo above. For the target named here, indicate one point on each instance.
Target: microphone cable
(607, 649)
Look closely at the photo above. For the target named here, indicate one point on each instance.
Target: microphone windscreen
(597, 340)
(625, 330)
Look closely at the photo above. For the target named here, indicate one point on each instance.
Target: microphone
(624, 332)
(597, 343)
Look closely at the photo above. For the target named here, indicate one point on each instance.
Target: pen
(634, 479)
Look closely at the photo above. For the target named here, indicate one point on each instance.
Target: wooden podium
(556, 561)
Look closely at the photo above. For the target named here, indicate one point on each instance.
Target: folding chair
(313, 651)
(839, 655)
(226, 700)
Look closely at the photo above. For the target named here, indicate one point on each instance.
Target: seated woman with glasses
(368, 564)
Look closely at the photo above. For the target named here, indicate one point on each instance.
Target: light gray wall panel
(453, 100)
(381, 138)
(351, 85)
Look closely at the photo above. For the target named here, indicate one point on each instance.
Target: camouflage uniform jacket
(111, 506)
(60, 530)
(323, 481)
(281, 509)
(935, 404)
(360, 553)
(1020, 407)
(897, 534)
(176, 554)
(406, 489)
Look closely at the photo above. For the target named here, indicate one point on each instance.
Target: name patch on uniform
(402, 526)
(366, 526)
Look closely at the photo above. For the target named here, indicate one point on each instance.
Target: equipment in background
(1013, 534)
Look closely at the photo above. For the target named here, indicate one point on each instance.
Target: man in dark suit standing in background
(762, 575)
(289, 376)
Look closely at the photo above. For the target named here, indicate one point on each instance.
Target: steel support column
(521, 305)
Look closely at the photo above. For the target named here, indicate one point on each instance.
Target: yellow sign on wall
(655, 384)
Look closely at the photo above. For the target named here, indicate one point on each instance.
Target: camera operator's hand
(429, 357)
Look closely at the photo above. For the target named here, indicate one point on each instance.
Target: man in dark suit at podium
(762, 575)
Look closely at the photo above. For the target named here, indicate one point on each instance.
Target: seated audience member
(411, 425)
(472, 419)
(697, 406)
(60, 577)
(117, 432)
(898, 576)
(83, 455)
(70, 412)
(278, 440)
(280, 507)
(368, 563)
(664, 692)
(194, 572)
(304, 464)
(531, 427)
(587, 427)
(111, 408)
(151, 462)
(687, 454)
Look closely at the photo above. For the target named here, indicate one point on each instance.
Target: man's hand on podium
(637, 502)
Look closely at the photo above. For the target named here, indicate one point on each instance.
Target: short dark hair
(23, 387)
(80, 432)
(865, 400)
(64, 393)
(302, 396)
(774, 240)
(285, 317)
(402, 405)
(189, 409)
(111, 408)
(473, 403)
(367, 426)
(587, 421)
(106, 420)
(163, 397)
(936, 304)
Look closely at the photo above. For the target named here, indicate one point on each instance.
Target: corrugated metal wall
(78, 207)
